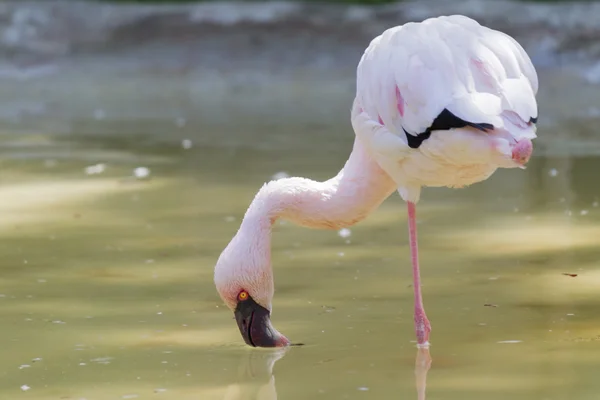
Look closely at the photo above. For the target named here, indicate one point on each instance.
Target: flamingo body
(457, 77)
(443, 102)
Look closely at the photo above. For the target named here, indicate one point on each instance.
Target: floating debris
(553, 172)
(490, 305)
(24, 366)
(95, 169)
(186, 144)
(160, 390)
(130, 396)
(141, 172)
(568, 274)
(102, 360)
(345, 233)
(280, 175)
(25, 388)
(363, 389)
(510, 341)
(36, 359)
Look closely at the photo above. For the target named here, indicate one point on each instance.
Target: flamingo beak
(255, 325)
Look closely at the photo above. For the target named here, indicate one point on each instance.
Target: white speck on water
(82, 364)
(341, 254)
(186, 144)
(25, 388)
(160, 390)
(363, 389)
(164, 362)
(50, 163)
(595, 204)
(229, 218)
(99, 113)
(180, 122)
(24, 366)
(510, 341)
(129, 396)
(493, 278)
(149, 261)
(583, 212)
(280, 175)
(37, 359)
(102, 360)
(141, 172)
(58, 322)
(553, 172)
(159, 313)
(42, 281)
(95, 169)
(345, 232)
(570, 315)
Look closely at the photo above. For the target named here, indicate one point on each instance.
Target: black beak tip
(254, 322)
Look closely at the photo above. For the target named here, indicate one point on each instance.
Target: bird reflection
(422, 365)
(255, 376)
(255, 380)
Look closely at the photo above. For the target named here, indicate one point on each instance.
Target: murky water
(106, 285)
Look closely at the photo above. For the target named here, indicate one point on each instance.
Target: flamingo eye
(243, 295)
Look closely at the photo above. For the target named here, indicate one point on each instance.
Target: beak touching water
(255, 326)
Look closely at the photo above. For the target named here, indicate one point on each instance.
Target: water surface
(106, 285)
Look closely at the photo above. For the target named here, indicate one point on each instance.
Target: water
(106, 287)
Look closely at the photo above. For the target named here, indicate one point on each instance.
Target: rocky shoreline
(552, 33)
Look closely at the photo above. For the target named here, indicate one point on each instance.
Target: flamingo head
(244, 280)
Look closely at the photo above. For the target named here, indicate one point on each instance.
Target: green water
(106, 285)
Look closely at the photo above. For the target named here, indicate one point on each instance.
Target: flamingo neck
(357, 190)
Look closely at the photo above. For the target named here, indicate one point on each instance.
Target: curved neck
(357, 190)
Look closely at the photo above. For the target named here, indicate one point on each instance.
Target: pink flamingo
(444, 102)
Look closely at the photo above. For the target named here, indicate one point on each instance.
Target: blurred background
(133, 136)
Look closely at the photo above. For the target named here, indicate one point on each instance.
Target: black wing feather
(444, 122)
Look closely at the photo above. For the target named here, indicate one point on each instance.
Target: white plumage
(411, 73)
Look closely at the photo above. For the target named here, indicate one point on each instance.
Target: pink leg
(422, 325)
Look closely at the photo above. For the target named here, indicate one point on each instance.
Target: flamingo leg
(422, 325)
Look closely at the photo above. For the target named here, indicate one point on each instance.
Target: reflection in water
(255, 380)
(422, 365)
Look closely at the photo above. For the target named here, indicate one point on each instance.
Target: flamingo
(440, 103)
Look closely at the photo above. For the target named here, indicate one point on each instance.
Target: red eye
(243, 295)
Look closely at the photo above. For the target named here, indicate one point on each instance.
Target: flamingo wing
(443, 73)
